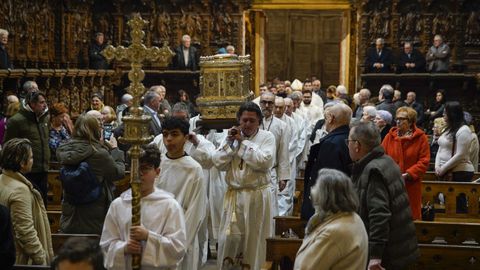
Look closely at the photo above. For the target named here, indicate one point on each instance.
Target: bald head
(279, 107)
(337, 115)
(289, 106)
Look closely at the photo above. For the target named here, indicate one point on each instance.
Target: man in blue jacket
(331, 152)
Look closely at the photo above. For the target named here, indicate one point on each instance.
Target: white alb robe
(312, 112)
(217, 187)
(247, 219)
(161, 215)
(281, 167)
(183, 177)
(202, 153)
(285, 197)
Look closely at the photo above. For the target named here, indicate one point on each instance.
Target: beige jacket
(29, 219)
(339, 242)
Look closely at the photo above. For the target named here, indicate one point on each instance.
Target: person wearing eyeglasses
(408, 147)
(384, 206)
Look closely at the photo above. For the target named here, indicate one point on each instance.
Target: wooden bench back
(451, 190)
(450, 233)
(282, 224)
(441, 257)
(430, 176)
(282, 252)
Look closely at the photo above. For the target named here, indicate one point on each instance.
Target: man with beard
(311, 111)
(280, 173)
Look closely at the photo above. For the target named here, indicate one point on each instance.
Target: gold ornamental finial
(136, 124)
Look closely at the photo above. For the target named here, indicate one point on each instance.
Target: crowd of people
(364, 157)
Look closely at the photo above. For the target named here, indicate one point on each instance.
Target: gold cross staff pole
(136, 124)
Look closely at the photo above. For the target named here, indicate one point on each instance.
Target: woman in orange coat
(408, 147)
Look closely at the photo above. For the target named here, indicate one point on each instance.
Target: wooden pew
(282, 252)
(445, 245)
(430, 176)
(429, 232)
(298, 196)
(282, 224)
(431, 189)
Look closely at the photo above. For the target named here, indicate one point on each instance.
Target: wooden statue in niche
(472, 31)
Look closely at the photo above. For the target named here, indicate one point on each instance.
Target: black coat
(372, 57)
(331, 152)
(4, 59)
(179, 61)
(7, 244)
(385, 210)
(97, 60)
(415, 57)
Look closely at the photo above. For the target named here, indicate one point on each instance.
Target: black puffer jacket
(385, 210)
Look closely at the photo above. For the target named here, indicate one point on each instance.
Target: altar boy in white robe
(247, 156)
(181, 175)
(200, 149)
(161, 237)
(280, 173)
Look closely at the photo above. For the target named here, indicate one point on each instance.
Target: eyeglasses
(266, 102)
(347, 141)
(398, 119)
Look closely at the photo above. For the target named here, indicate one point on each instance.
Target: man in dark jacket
(185, 55)
(331, 152)
(4, 58)
(97, 60)
(384, 206)
(385, 95)
(378, 59)
(418, 107)
(31, 122)
(410, 60)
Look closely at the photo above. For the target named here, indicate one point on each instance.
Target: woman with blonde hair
(335, 236)
(29, 216)
(105, 162)
(407, 145)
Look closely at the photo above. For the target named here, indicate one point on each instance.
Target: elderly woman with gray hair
(383, 121)
(335, 236)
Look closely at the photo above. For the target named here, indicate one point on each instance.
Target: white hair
(126, 98)
(341, 89)
(3, 32)
(185, 37)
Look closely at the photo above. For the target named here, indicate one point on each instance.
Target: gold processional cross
(136, 124)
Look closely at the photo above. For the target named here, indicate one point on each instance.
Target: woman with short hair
(408, 146)
(105, 162)
(335, 235)
(61, 127)
(27, 210)
(383, 121)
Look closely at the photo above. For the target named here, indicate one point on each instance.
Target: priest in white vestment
(247, 155)
(181, 175)
(285, 194)
(161, 237)
(280, 173)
